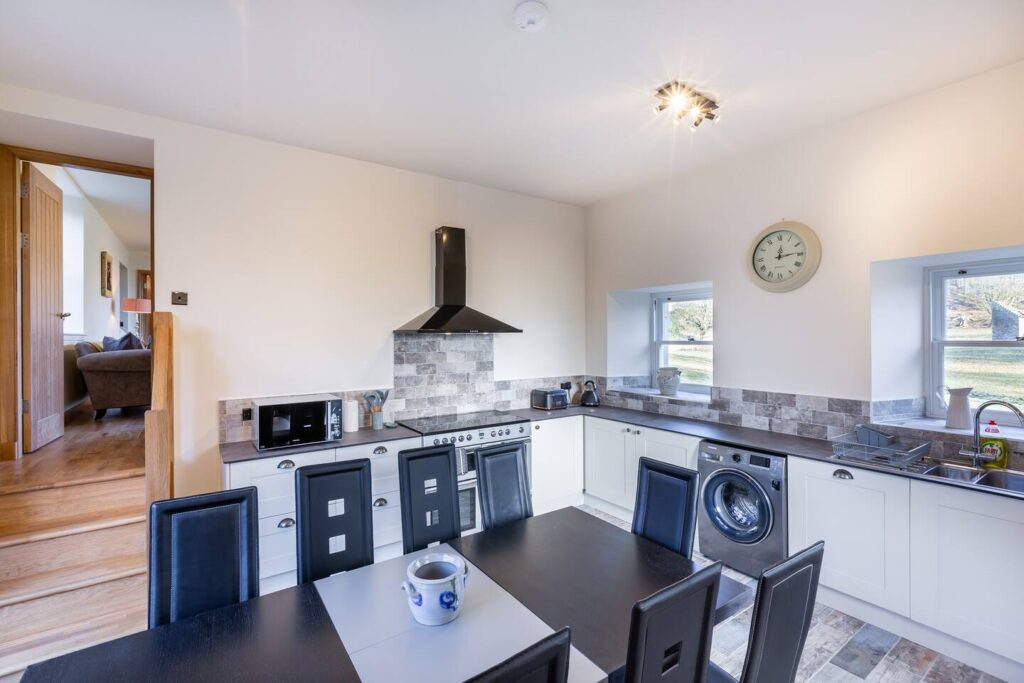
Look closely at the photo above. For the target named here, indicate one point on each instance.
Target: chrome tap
(976, 455)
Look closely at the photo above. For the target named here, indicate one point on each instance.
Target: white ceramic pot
(435, 587)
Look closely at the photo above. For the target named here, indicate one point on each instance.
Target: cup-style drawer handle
(380, 502)
(285, 523)
(285, 465)
(380, 450)
(842, 474)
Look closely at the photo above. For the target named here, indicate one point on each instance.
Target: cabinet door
(557, 463)
(608, 444)
(675, 449)
(967, 550)
(864, 519)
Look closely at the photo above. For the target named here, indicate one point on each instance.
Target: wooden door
(42, 318)
(864, 519)
(144, 290)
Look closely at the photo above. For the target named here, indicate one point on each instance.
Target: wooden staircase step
(57, 505)
(64, 579)
(14, 660)
(47, 626)
(63, 552)
(41, 531)
(13, 483)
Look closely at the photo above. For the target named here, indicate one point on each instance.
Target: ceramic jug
(958, 409)
(435, 588)
(668, 381)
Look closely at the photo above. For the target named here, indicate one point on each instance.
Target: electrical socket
(246, 414)
(179, 298)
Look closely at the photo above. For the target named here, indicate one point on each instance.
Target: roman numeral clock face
(785, 256)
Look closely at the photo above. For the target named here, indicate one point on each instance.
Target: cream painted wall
(933, 174)
(299, 265)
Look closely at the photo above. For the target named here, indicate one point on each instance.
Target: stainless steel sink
(956, 472)
(1003, 479)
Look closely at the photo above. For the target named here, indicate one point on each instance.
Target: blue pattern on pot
(436, 587)
(668, 381)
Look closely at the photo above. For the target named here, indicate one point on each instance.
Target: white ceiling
(451, 87)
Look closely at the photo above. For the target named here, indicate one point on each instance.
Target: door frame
(10, 272)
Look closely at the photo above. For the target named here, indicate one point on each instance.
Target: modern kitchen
(605, 368)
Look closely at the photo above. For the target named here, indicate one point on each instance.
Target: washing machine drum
(737, 506)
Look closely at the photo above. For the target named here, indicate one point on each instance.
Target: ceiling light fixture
(531, 16)
(686, 102)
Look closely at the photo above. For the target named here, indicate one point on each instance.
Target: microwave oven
(295, 420)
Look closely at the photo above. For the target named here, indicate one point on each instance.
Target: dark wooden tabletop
(283, 636)
(573, 569)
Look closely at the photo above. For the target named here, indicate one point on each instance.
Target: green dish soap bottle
(996, 446)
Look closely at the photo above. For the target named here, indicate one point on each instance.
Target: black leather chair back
(334, 519)
(504, 484)
(546, 661)
(782, 616)
(429, 489)
(203, 553)
(666, 505)
(670, 631)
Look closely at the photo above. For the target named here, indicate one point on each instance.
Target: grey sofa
(115, 379)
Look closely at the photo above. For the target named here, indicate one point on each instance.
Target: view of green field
(995, 373)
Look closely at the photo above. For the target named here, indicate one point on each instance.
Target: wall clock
(784, 256)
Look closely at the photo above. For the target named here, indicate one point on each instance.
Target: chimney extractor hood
(450, 314)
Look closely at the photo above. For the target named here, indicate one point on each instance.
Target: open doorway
(85, 357)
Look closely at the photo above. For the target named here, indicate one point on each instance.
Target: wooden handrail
(160, 416)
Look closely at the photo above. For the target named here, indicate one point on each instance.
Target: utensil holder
(377, 420)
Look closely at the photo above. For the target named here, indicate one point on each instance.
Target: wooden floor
(112, 448)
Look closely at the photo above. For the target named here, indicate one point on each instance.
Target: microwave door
(275, 427)
(309, 423)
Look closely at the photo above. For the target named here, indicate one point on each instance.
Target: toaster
(549, 399)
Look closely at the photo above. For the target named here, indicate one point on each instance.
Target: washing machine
(741, 514)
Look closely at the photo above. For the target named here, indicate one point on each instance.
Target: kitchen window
(683, 337)
(976, 334)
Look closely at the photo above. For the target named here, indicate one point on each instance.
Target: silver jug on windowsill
(668, 381)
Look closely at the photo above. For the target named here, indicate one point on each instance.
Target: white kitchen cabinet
(967, 550)
(613, 452)
(274, 479)
(864, 519)
(557, 463)
(608, 445)
(656, 444)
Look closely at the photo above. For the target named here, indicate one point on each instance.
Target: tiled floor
(839, 648)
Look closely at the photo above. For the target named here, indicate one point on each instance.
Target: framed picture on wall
(106, 274)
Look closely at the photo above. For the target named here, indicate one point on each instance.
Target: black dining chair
(428, 482)
(670, 631)
(666, 505)
(203, 553)
(504, 485)
(334, 521)
(781, 619)
(546, 661)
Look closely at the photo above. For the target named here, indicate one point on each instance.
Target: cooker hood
(450, 314)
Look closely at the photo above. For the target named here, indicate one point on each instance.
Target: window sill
(651, 392)
(934, 424)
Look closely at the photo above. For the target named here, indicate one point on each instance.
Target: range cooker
(472, 433)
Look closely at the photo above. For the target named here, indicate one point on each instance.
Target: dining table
(526, 580)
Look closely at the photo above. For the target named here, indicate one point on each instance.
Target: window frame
(935, 342)
(658, 300)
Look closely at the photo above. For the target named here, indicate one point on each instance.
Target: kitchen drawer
(387, 552)
(385, 473)
(277, 545)
(387, 519)
(274, 479)
(383, 460)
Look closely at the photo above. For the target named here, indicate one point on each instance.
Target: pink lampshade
(137, 305)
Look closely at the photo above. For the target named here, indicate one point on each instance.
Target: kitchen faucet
(977, 456)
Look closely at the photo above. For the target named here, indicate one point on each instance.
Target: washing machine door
(737, 506)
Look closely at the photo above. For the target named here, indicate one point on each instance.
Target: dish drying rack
(878, 448)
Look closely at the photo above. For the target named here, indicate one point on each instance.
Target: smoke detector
(531, 16)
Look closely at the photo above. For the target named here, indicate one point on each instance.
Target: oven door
(469, 507)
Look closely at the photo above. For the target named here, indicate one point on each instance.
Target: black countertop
(240, 451)
(746, 437)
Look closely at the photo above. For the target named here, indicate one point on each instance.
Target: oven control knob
(522, 429)
(508, 432)
(469, 437)
(493, 433)
(461, 437)
(736, 457)
(437, 441)
(444, 440)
